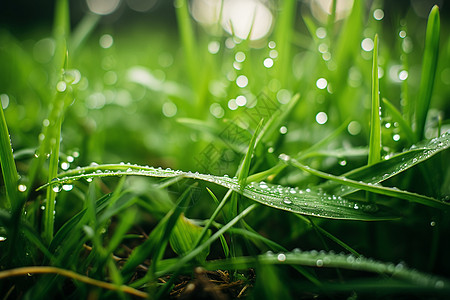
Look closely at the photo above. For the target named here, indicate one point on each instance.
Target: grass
(185, 162)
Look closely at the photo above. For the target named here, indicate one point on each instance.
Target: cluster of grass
(140, 160)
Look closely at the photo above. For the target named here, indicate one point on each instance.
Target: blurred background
(136, 83)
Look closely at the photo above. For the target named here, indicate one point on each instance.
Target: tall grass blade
(387, 191)
(375, 118)
(330, 260)
(283, 35)
(184, 234)
(61, 33)
(396, 164)
(429, 66)
(402, 123)
(9, 170)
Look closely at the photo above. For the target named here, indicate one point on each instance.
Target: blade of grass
(429, 66)
(330, 260)
(9, 170)
(329, 235)
(388, 168)
(387, 191)
(155, 244)
(375, 122)
(61, 33)
(283, 36)
(403, 125)
(308, 202)
(208, 242)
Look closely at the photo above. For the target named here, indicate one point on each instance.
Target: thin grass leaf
(208, 242)
(375, 118)
(154, 246)
(212, 218)
(392, 166)
(308, 202)
(429, 66)
(187, 40)
(9, 170)
(328, 235)
(184, 234)
(283, 35)
(330, 260)
(403, 125)
(387, 191)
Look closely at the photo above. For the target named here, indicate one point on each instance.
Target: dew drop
(281, 257)
(287, 201)
(22, 188)
(319, 263)
(2, 238)
(89, 179)
(67, 187)
(284, 157)
(343, 162)
(56, 188)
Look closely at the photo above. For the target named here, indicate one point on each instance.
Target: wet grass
(181, 163)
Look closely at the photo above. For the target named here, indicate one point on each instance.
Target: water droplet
(65, 166)
(67, 187)
(268, 62)
(89, 179)
(281, 257)
(56, 188)
(321, 118)
(432, 223)
(319, 263)
(321, 83)
(343, 162)
(129, 170)
(439, 284)
(22, 187)
(287, 201)
(42, 207)
(284, 157)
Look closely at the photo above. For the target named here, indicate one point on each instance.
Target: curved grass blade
(429, 66)
(375, 122)
(308, 202)
(404, 126)
(9, 170)
(331, 260)
(387, 191)
(388, 168)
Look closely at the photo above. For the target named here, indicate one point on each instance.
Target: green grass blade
(387, 191)
(83, 31)
(308, 202)
(9, 170)
(283, 35)
(328, 235)
(375, 118)
(184, 234)
(187, 40)
(404, 126)
(330, 260)
(156, 243)
(208, 242)
(49, 212)
(429, 66)
(396, 164)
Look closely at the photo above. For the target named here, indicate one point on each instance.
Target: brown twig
(73, 275)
